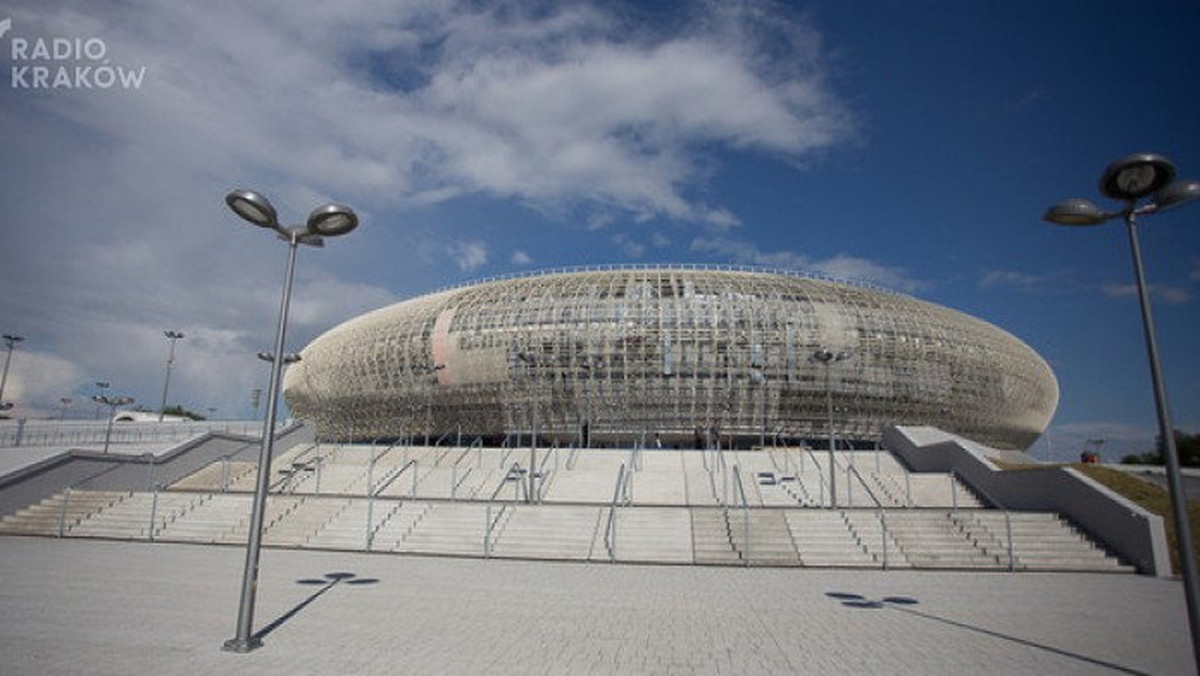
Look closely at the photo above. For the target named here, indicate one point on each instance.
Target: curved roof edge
(713, 267)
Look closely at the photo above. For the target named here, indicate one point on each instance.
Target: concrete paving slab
(99, 607)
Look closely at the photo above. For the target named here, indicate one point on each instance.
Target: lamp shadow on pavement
(903, 603)
(326, 582)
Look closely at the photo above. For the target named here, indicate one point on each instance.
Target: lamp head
(1135, 176)
(331, 220)
(1076, 211)
(253, 207)
(1175, 194)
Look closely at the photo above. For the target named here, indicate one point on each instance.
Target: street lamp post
(101, 386)
(112, 403)
(829, 358)
(530, 360)
(1130, 180)
(329, 220)
(429, 398)
(10, 341)
(172, 336)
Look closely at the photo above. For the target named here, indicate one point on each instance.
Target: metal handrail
(478, 446)
(395, 474)
(489, 522)
(878, 511)
(820, 474)
(610, 529)
(454, 473)
(1012, 563)
(737, 476)
(573, 456)
(543, 474)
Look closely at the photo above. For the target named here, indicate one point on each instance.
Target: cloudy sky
(912, 144)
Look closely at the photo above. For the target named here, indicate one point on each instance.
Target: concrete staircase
(675, 515)
(549, 532)
(649, 535)
(823, 538)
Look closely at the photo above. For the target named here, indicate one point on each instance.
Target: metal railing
(395, 474)
(454, 480)
(610, 528)
(544, 474)
(615, 267)
(879, 512)
(820, 474)
(1012, 560)
(25, 432)
(512, 476)
(745, 505)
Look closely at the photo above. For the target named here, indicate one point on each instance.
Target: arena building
(670, 355)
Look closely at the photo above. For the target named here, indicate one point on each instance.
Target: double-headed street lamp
(1130, 180)
(10, 341)
(329, 220)
(829, 358)
(172, 336)
(112, 403)
(101, 386)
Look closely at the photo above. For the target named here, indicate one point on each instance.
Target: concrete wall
(1121, 525)
(99, 471)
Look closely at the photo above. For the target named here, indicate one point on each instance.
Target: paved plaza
(99, 607)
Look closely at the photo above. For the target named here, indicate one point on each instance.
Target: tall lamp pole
(1130, 180)
(172, 336)
(829, 358)
(101, 386)
(10, 341)
(112, 403)
(530, 360)
(329, 220)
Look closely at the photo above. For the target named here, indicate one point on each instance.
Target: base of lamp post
(237, 645)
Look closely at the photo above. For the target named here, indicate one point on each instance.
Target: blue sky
(913, 144)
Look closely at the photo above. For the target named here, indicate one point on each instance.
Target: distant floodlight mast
(1131, 179)
(10, 341)
(172, 336)
(329, 220)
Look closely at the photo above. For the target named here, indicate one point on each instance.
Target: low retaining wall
(1121, 525)
(100, 471)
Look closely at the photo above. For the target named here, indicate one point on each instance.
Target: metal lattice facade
(622, 355)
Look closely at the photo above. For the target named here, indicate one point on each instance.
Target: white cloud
(37, 381)
(841, 266)
(1014, 279)
(519, 257)
(468, 255)
(1174, 295)
(629, 246)
(392, 106)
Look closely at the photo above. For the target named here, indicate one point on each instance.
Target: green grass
(1153, 499)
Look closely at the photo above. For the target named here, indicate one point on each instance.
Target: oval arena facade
(673, 356)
